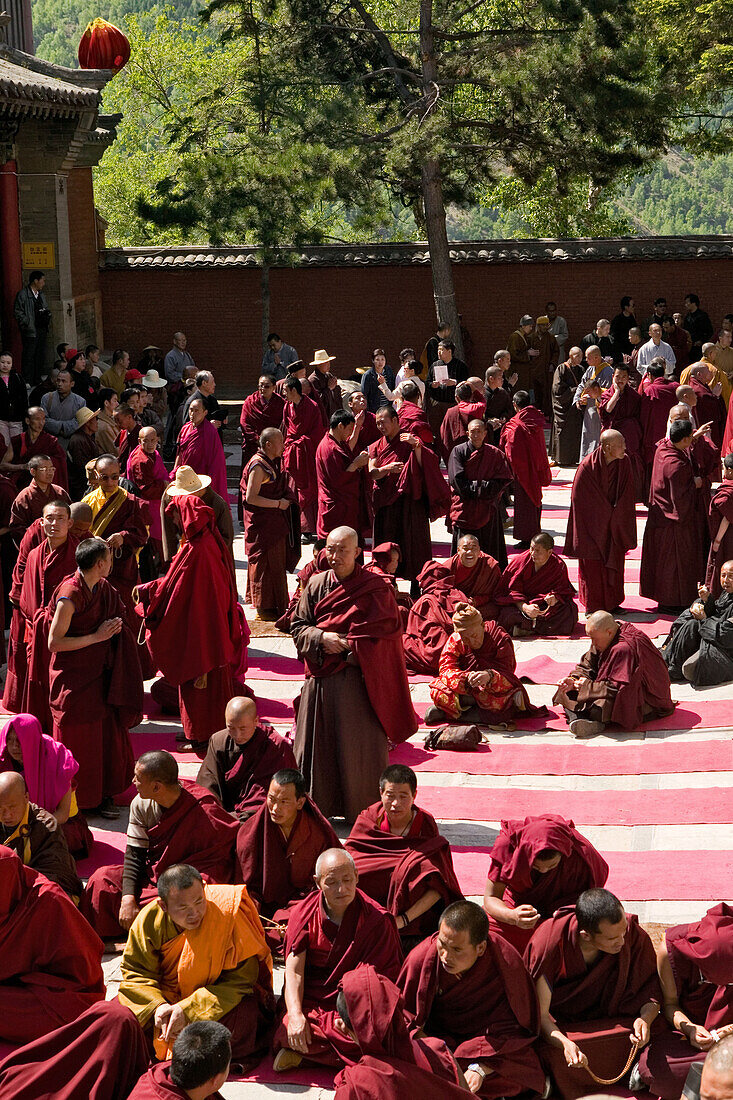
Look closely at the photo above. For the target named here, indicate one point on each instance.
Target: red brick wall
(350, 310)
(84, 257)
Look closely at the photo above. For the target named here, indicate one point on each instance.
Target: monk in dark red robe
(619, 409)
(271, 526)
(325, 386)
(50, 959)
(413, 419)
(34, 440)
(602, 523)
(200, 448)
(537, 866)
(303, 427)
(343, 487)
(695, 963)
(30, 502)
(262, 409)
(317, 564)
(476, 574)
(469, 406)
(478, 474)
(659, 396)
(523, 442)
(403, 861)
(277, 849)
(469, 987)
(535, 595)
(710, 408)
(147, 471)
(595, 972)
(205, 1049)
(366, 422)
(720, 528)
(386, 557)
(429, 620)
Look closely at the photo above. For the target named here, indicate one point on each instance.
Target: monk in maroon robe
(200, 448)
(469, 406)
(602, 523)
(366, 422)
(147, 471)
(277, 849)
(34, 440)
(471, 988)
(50, 959)
(720, 527)
(317, 564)
(694, 963)
(475, 574)
(303, 427)
(30, 502)
(537, 866)
(343, 488)
(414, 421)
(429, 620)
(204, 1047)
(659, 396)
(403, 861)
(478, 474)
(325, 385)
(17, 658)
(172, 821)
(710, 408)
(620, 409)
(595, 973)
(536, 596)
(271, 526)
(523, 442)
(262, 409)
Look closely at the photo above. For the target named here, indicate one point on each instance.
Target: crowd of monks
(391, 976)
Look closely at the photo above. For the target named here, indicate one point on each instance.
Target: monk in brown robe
(595, 973)
(30, 502)
(33, 834)
(241, 760)
(271, 526)
(476, 574)
(277, 849)
(478, 474)
(429, 624)
(535, 594)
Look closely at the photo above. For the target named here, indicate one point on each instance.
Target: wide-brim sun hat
(321, 356)
(187, 481)
(153, 381)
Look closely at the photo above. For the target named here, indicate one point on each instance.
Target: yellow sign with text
(39, 254)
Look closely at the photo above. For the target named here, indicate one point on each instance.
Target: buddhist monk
(699, 648)
(413, 418)
(711, 407)
(621, 680)
(277, 849)
(200, 448)
(602, 523)
(537, 866)
(271, 526)
(403, 861)
(595, 973)
(262, 409)
(30, 502)
(241, 759)
(366, 425)
(171, 820)
(620, 410)
(567, 417)
(386, 558)
(329, 933)
(303, 427)
(469, 405)
(96, 684)
(478, 474)
(355, 699)
(34, 440)
(146, 470)
(523, 441)
(694, 965)
(535, 594)
(476, 574)
(720, 529)
(188, 483)
(469, 987)
(198, 1067)
(34, 835)
(341, 476)
(659, 396)
(429, 623)
(476, 681)
(50, 959)
(716, 1081)
(324, 384)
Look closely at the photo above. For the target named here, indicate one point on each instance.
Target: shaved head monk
(271, 526)
(536, 595)
(197, 952)
(468, 986)
(595, 973)
(329, 933)
(171, 820)
(241, 759)
(429, 620)
(476, 574)
(199, 447)
(199, 1066)
(34, 440)
(81, 519)
(717, 1072)
(622, 680)
(403, 861)
(478, 474)
(277, 849)
(341, 475)
(470, 405)
(620, 409)
(29, 503)
(523, 441)
(304, 425)
(602, 522)
(355, 700)
(34, 835)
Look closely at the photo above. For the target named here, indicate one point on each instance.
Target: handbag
(457, 738)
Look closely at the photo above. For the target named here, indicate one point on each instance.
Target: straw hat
(152, 347)
(322, 356)
(187, 481)
(84, 415)
(153, 381)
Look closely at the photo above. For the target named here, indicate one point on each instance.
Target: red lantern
(103, 46)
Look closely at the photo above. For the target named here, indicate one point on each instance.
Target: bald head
(613, 445)
(601, 620)
(601, 628)
(241, 719)
(330, 860)
(13, 799)
(679, 412)
(717, 1072)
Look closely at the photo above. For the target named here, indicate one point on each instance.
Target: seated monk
(535, 594)
(198, 1067)
(394, 1059)
(622, 680)
(329, 933)
(716, 1079)
(429, 624)
(470, 987)
(476, 681)
(278, 847)
(171, 819)
(700, 643)
(596, 978)
(197, 952)
(694, 966)
(50, 959)
(241, 760)
(537, 866)
(403, 861)
(476, 574)
(386, 558)
(34, 835)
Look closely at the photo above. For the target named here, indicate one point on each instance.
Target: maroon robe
(45, 444)
(157, 1085)
(257, 415)
(454, 429)
(656, 401)
(429, 623)
(478, 477)
(413, 419)
(601, 528)
(239, 775)
(673, 552)
(29, 504)
(50, 959)
(343, 495)
(131, 520)
(625, 417)
(594, 1006)
(721, 507)
(523, 441)
(317, 564)
(331, 399)
(480, 584)
(711, 409)
(397, 870)
(151, 479)
(487, 1014)
(271, 535)
(17, 657)
(369, 433)
(303, 428)
(520, 581)
(200, 448)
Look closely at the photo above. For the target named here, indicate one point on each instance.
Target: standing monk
(478, 474)
(146, 470)
(30, 502)
(304, 428)
(200, 448)
(325, 385)
(271, 527)
(356, 698)
(343, 497)
(620, 409)
(523, 440)
(720, 528)
(567, 417)
(470, 405)
(602, 523)
(262, 409)
(34, 440)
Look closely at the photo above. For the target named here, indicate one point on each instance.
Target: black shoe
(108, 809)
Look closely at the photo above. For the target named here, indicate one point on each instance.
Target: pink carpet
(273, 666)
(108, 848)
(306, 1076)
(707, 714)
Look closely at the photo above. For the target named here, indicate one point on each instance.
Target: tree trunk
(265, 296)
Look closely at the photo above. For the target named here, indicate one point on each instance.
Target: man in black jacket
(33, 316)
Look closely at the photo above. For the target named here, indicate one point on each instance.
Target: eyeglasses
(45, 469)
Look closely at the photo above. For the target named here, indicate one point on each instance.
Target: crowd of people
(114, 485)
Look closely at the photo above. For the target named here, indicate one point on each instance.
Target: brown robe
(49, 853)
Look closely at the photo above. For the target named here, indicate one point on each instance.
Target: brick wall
(350, 310)
(84, 258)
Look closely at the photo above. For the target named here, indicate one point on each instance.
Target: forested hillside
(59, 24)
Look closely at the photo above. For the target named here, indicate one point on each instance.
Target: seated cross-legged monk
(171, 820)
(50, 959)
(198, 1066)
(277, 849)
(470, 987)
(197, 953)
(621, 680)
(537, 866)
(329, 933)
(241, 760)
(476, 681)
(595, 973)
(476, 574)
(429, 624)
(700, 643)
(403, 861)
(535, 595)
(35, 836)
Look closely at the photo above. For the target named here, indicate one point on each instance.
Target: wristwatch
(476, 1068)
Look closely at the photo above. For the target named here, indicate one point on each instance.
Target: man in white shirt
(654, 347)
